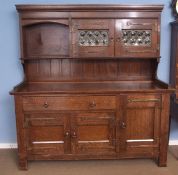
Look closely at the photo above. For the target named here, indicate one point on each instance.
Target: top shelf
(84, 7)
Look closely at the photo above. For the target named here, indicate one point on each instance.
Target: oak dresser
(90, 88)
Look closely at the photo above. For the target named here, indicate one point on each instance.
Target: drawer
(151, 100)
(69, 103)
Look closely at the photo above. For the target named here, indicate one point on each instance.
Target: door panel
(93, 133)
(139, 122)
(92, 37)
(137, 38)
(48, 133)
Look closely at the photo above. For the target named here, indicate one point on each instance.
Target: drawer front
(69, 103)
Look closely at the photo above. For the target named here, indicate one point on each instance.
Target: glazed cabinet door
(47, 134)
(139, 124)
(137, 38)
(93, 37)
(93, 133)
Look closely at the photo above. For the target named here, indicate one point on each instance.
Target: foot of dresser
(162, 163)
(23, 164)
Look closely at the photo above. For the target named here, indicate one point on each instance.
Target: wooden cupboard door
(139, 124)
(93, 133)
(93, 37)
(137, 38)
(47, 134)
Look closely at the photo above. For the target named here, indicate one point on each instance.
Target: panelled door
(93, 37)
(136, 37)
(93, 133)
(48, 134)
(139, 124)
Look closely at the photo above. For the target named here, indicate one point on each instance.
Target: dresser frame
(91, 95)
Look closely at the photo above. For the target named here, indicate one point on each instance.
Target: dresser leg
(162, 163)
(23, 164)
(164, 131)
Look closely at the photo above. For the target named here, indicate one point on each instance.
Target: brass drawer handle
(140, 51)
(92, 52)
(144, 100)
(45, 105)
(92, 104)
(137, 24)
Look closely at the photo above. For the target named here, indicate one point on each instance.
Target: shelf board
(90, 58)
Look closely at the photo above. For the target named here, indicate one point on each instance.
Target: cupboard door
(92, 37)
(93, 133)
(139, 124)
(137, 38)
(47, 134)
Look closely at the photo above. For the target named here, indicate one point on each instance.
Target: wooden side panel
(164, 130)
(90, 70)
(21, 133)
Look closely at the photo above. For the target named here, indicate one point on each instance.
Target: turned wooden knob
(67, 134)
(92, 104)
(45, 105)
(74, 135)
(123, 125)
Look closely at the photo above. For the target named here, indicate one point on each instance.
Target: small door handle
(123, 125)
(67, 134)
(92, 104)
(74, 135)
(45, 105)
